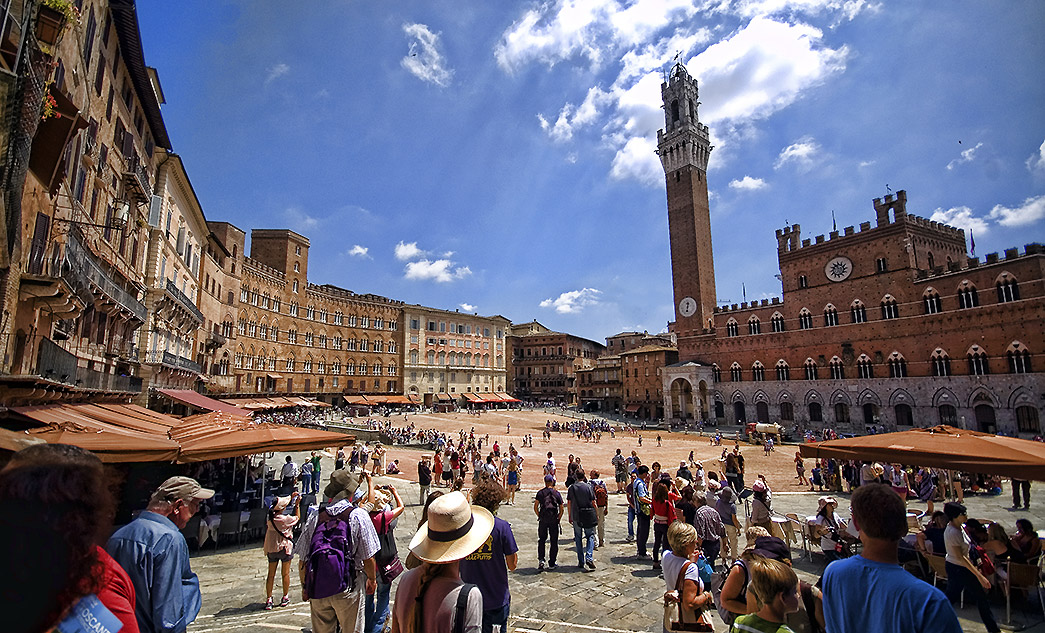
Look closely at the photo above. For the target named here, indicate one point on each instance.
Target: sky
(498, 157)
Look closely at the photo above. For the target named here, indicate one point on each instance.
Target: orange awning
(200, 401)
(216, 434)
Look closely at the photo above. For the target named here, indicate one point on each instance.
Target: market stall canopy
(199, 401)
(941, 447)
(217, 434)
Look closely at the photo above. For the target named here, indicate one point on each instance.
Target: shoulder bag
(681, 624)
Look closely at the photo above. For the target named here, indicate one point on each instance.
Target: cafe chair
(256, 523)
(229, 525)
(797, 532)
(1024, 578)
(191, 531)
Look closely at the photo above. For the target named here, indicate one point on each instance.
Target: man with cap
(153, 552)
(871, 591)
(548, 507)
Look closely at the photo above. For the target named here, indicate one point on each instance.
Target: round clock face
(839, 268)
(687, 307)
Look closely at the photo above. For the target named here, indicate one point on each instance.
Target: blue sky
(497, 157)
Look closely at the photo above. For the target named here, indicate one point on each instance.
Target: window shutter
(155, 209)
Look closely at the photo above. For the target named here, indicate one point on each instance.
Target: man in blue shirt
(643, 509)
(871, 592)
(153, 552)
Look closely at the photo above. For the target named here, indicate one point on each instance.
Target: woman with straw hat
(432, 598)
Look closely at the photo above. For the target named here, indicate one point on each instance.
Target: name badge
(89, 615)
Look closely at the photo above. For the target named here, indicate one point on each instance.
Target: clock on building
(839, 268)
(687, 307)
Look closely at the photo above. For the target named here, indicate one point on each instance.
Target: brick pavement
(621, 595)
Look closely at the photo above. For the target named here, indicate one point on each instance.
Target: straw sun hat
(454, 530)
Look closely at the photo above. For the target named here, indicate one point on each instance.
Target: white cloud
(866, 163)
(359, 251)
(1032, 210)
(573, 301)
(803, 153)
(552, 33)
(405, 252)
(962, 218)
(440, 270)
(299, 220)
(967, 156)
(1036, 162)
(467, 307)
(637, 160)
(424, 59)
(847, 9)
(747, 183)
(571, 117)
(276, 72)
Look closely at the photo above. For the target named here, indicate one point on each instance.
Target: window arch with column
(1019, 358)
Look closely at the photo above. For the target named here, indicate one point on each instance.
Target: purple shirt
(487, 568)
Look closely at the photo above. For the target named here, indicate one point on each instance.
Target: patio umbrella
(941, 447)
(215, 435)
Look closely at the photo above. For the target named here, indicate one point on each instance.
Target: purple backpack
(330, 570)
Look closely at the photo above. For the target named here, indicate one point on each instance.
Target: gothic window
(803, 281)
(932, 261)
(732, 329)
(783, 372)
(787, 411)
(1008, 289)
(864, 368)
(758, 372)
(967, 296)
(890, 309)
(904, 417)
(897, 366)
(805, 320)
(948, 415)
(1027, 419)
(716, 373)
(292, 336)
(842, 413)
(308, 339)
(880, 265)
(777, 322)
(941, 363)
(350, 368)
(1019, 359)
(754, 326)
(734, 372)
(816, 412)
(837, 369)
(811, 369)
(364, 345)
(830, 316)
(932, 302)
(978, 361)
(858, 312)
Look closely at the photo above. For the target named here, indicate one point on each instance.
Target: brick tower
(684, 148)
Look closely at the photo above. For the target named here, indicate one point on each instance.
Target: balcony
(159, 357)
(136, 179)
(55, 363)
(79, 268)
(179, 298)
(214, 341)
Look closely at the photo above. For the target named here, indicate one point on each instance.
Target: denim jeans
(306, 484)
(588, 551)
(631, 522)
(660, 539)
(959, 579)
(548, 531)
(711, 551)
(375, 612)
(498, 616)
(642, 533)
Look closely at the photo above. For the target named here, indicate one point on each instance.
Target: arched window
(811, 369)
(805, 319)
(732, 328)
(734, 372)
(716, 373)
(897, 365)
(830, 316)
(777, 322)
(890, 309)
(1027, 419)
(1008, 289)
(674, 110)
(858, 312)
(787, 411)
(967, 296)
(931, 300)
(904, 417)
(864, 367)
(754, 326)
(783, 372)
(978, 365)
(932, 262)
(758, 371)
(837, 368)
(941, 363)
(816, 412)
(1019, 358)
(842, 413)
(431, 357)
(948, 415)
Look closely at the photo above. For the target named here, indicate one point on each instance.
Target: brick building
(890, 325)
(601, 387)
(545, 363)
(217, 299)
(642, 380)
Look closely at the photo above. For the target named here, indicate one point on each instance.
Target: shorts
(622, 478)
(280, 556)
(447, 475)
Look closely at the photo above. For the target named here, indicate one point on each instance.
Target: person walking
(548, 507)
(153, 552)
(432, 598)
(279, 545)
(602, 505)
(289, 475)
(424, 476)
(643, 509)
(580, 503)
(317, 471)
(962, 575)
(1019, 485)
(488, 566)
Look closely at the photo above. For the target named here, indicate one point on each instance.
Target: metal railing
(55, 363)
(79, 265)
(185, 302)
(160, 357)
(137, 175)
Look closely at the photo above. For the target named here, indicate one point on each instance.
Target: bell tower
(684, 148)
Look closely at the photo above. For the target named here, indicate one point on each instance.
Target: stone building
(891, 325)
(545, 363)
(217, 299)
(642, 380)
(81, 122)
(599, 388)
(453, 353)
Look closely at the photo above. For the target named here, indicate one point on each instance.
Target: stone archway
(682, 399)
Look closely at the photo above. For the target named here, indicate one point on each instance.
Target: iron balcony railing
(55, 363)
(79, 266)
(185, 302)
(136, 175)
(160, 357)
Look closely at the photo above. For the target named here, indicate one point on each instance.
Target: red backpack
(601, 496)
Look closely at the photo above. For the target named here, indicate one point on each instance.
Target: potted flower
(51, 19)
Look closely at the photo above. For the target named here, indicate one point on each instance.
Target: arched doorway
(870, 413)
(985, 420)
(762, 412)
(682, 399)
(739, 416)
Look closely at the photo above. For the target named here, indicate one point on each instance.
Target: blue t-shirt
(903, 603)
(486, 567)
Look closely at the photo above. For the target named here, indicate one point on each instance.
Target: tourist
(549, 466)
(488, 566)
(761, 510)
(800, 470)
(686, 506)
(279, 544)
(384, 507)
(932, 535)
(411, 560)
(663, 506)
(620, 471)
(1019, 485)
(831, 530)
(305, 477)
(643, 508)
(548, 507)
(1027, 541)
(289, 474)
(925, 481)
(427, 596)
(855, 589)
(962, 575)
(582, 514)
(726, 505)
(682, 580)
(629, 492)
(153, 552)
(437, 468)
(571, 471)
(339, 460)
(602, 504)
(775, 587)
(317, 471)
(424, 476)
(710, 530)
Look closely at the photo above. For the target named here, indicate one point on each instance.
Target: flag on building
(972, 240)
